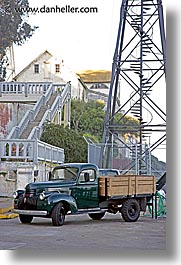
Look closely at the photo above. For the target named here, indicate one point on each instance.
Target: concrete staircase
(26, 132)
(23, 142)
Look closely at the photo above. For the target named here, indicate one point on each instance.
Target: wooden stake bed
(126, 185)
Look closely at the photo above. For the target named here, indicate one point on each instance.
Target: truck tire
(130, 210)
(96, 216)
(58, 214)
(25, 219)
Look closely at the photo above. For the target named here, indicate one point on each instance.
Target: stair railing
(51, 112)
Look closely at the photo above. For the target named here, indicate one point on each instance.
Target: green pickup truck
(75, 188)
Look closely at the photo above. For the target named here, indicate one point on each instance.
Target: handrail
(37, 130)
(30, 150)
(17, 130)
(25, 88)
(31, 114)
(50, 113)
(61, 100)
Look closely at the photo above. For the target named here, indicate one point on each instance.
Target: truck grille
(30, 193)
(28, 201)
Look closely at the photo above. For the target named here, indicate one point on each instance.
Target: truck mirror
(49, 175)
(36, 173)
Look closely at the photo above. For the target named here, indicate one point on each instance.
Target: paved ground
(81, 233)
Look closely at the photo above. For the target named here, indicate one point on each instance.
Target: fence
(30, 150)
(126, 158)
(25, 88)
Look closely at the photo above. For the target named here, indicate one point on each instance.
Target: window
(87, 175)
(68, 173)
(57, 68)
(36, 68)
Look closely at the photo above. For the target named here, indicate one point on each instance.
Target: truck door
(86, 190)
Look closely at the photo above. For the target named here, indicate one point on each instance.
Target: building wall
(15, 175)
(10, 116)
(47, 73)
(28, 75)
(5, 118)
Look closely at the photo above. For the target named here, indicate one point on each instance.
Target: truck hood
(50, 184)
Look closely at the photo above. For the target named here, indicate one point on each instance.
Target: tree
(88, 117)
(13, 28)
(73, 143)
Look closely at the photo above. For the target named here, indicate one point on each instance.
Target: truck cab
(84, 182)
(73, 185)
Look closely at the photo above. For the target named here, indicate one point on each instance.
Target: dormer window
(36, 69)
(57, 68)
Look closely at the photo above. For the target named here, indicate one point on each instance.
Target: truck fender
(64, 198)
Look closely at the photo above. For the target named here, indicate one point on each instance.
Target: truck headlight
(18, 193)
(15, 194)
(42, 196)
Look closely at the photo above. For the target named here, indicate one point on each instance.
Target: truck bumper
(30, 212)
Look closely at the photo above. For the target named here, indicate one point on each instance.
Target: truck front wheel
(130, 210)
(58, 214)
(25, 219)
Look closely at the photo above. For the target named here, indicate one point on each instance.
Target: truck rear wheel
(130, 210)
(58, 215)
(25, 219)
(96, 216)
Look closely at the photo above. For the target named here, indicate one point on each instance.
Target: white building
(48, 68)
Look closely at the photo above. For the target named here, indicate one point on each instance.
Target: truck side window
(87, 175)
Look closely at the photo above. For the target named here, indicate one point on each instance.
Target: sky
(82, 40)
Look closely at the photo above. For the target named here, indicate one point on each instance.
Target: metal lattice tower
(139, 77)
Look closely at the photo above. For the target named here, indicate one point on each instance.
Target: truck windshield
(68, 173)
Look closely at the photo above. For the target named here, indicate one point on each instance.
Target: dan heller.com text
(64, 9)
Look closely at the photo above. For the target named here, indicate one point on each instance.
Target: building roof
(95, 76)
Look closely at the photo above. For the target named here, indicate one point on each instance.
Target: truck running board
(91, 210)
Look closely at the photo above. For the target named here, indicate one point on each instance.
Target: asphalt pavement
(80, 232)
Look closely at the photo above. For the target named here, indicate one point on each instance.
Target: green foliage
(73, 143)
(13, 28)
(87, 119)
